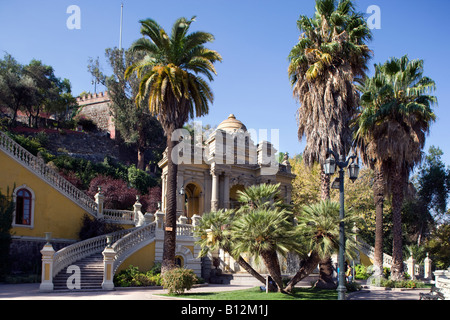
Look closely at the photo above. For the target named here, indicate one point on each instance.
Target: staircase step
(91, 269)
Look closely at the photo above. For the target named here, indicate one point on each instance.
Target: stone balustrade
(442, 281)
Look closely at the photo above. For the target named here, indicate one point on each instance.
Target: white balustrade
(77, 251)
(131, 242)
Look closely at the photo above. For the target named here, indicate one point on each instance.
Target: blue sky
(253, 36)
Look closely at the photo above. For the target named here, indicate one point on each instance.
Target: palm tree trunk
(397, 202)
(378, 192)
(272, 264)
(168, 262)
(307, 268)
(325, 275)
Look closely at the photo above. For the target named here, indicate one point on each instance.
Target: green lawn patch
(257, 294)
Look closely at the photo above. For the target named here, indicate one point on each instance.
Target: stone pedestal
(47, 268)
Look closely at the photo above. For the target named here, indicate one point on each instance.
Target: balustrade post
(138, 216)
(108, 262)
(196, 220)
(149, 217)
(182, 219)
(99, 199)
(411, 263)
(47, 265)
(427, 268)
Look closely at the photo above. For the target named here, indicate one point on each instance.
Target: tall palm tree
(172, 80)
(391, 128)
(329, 56)
(318, 227)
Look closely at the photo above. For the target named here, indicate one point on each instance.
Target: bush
(117, 194)
(361, 272)
(140, 179)
(132, 277)
(177, 280)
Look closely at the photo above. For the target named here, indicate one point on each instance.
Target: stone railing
(132, 242)
(369, 251)
(442, 281)
(77, 251)
(38, 167)
(119, 216)
(422, 271)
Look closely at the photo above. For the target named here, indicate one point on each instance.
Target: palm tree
(318, 225)
(214, 233)
(392, 124)
(171, 80)
(330, 55)
(265, 233)
(260, 196)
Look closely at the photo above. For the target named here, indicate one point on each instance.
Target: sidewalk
(30, 291)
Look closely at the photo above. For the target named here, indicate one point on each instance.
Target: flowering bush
(117, 194)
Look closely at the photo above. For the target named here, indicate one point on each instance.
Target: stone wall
(97, 108)
(25, 254)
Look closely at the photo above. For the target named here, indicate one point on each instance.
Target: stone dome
(231, 125)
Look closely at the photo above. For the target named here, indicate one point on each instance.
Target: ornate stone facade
(211, 172)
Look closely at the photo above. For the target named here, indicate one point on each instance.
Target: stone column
(47, 265)
(108, 263)
(180, 197)
(226, 191)
(215, 189)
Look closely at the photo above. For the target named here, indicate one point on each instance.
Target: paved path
(31, 292)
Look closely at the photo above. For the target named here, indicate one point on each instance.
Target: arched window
(24, 199)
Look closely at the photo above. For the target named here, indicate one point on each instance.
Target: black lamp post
(353, 171)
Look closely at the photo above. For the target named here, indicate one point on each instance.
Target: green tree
(438, 245)
(136, 125)
(18, 90)
(392, 124)
(171, 80)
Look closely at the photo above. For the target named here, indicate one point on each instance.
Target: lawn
(257, 294)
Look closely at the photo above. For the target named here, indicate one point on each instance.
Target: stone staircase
(91, 271)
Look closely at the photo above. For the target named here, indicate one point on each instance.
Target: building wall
(53, 212)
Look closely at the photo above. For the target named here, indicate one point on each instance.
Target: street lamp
(329, 168)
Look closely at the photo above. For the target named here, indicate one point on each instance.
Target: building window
(24, 199)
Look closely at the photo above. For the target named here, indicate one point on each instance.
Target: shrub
(132, 277)
(361, 272)
(117, 194)
(177, 280)
(140, 179)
